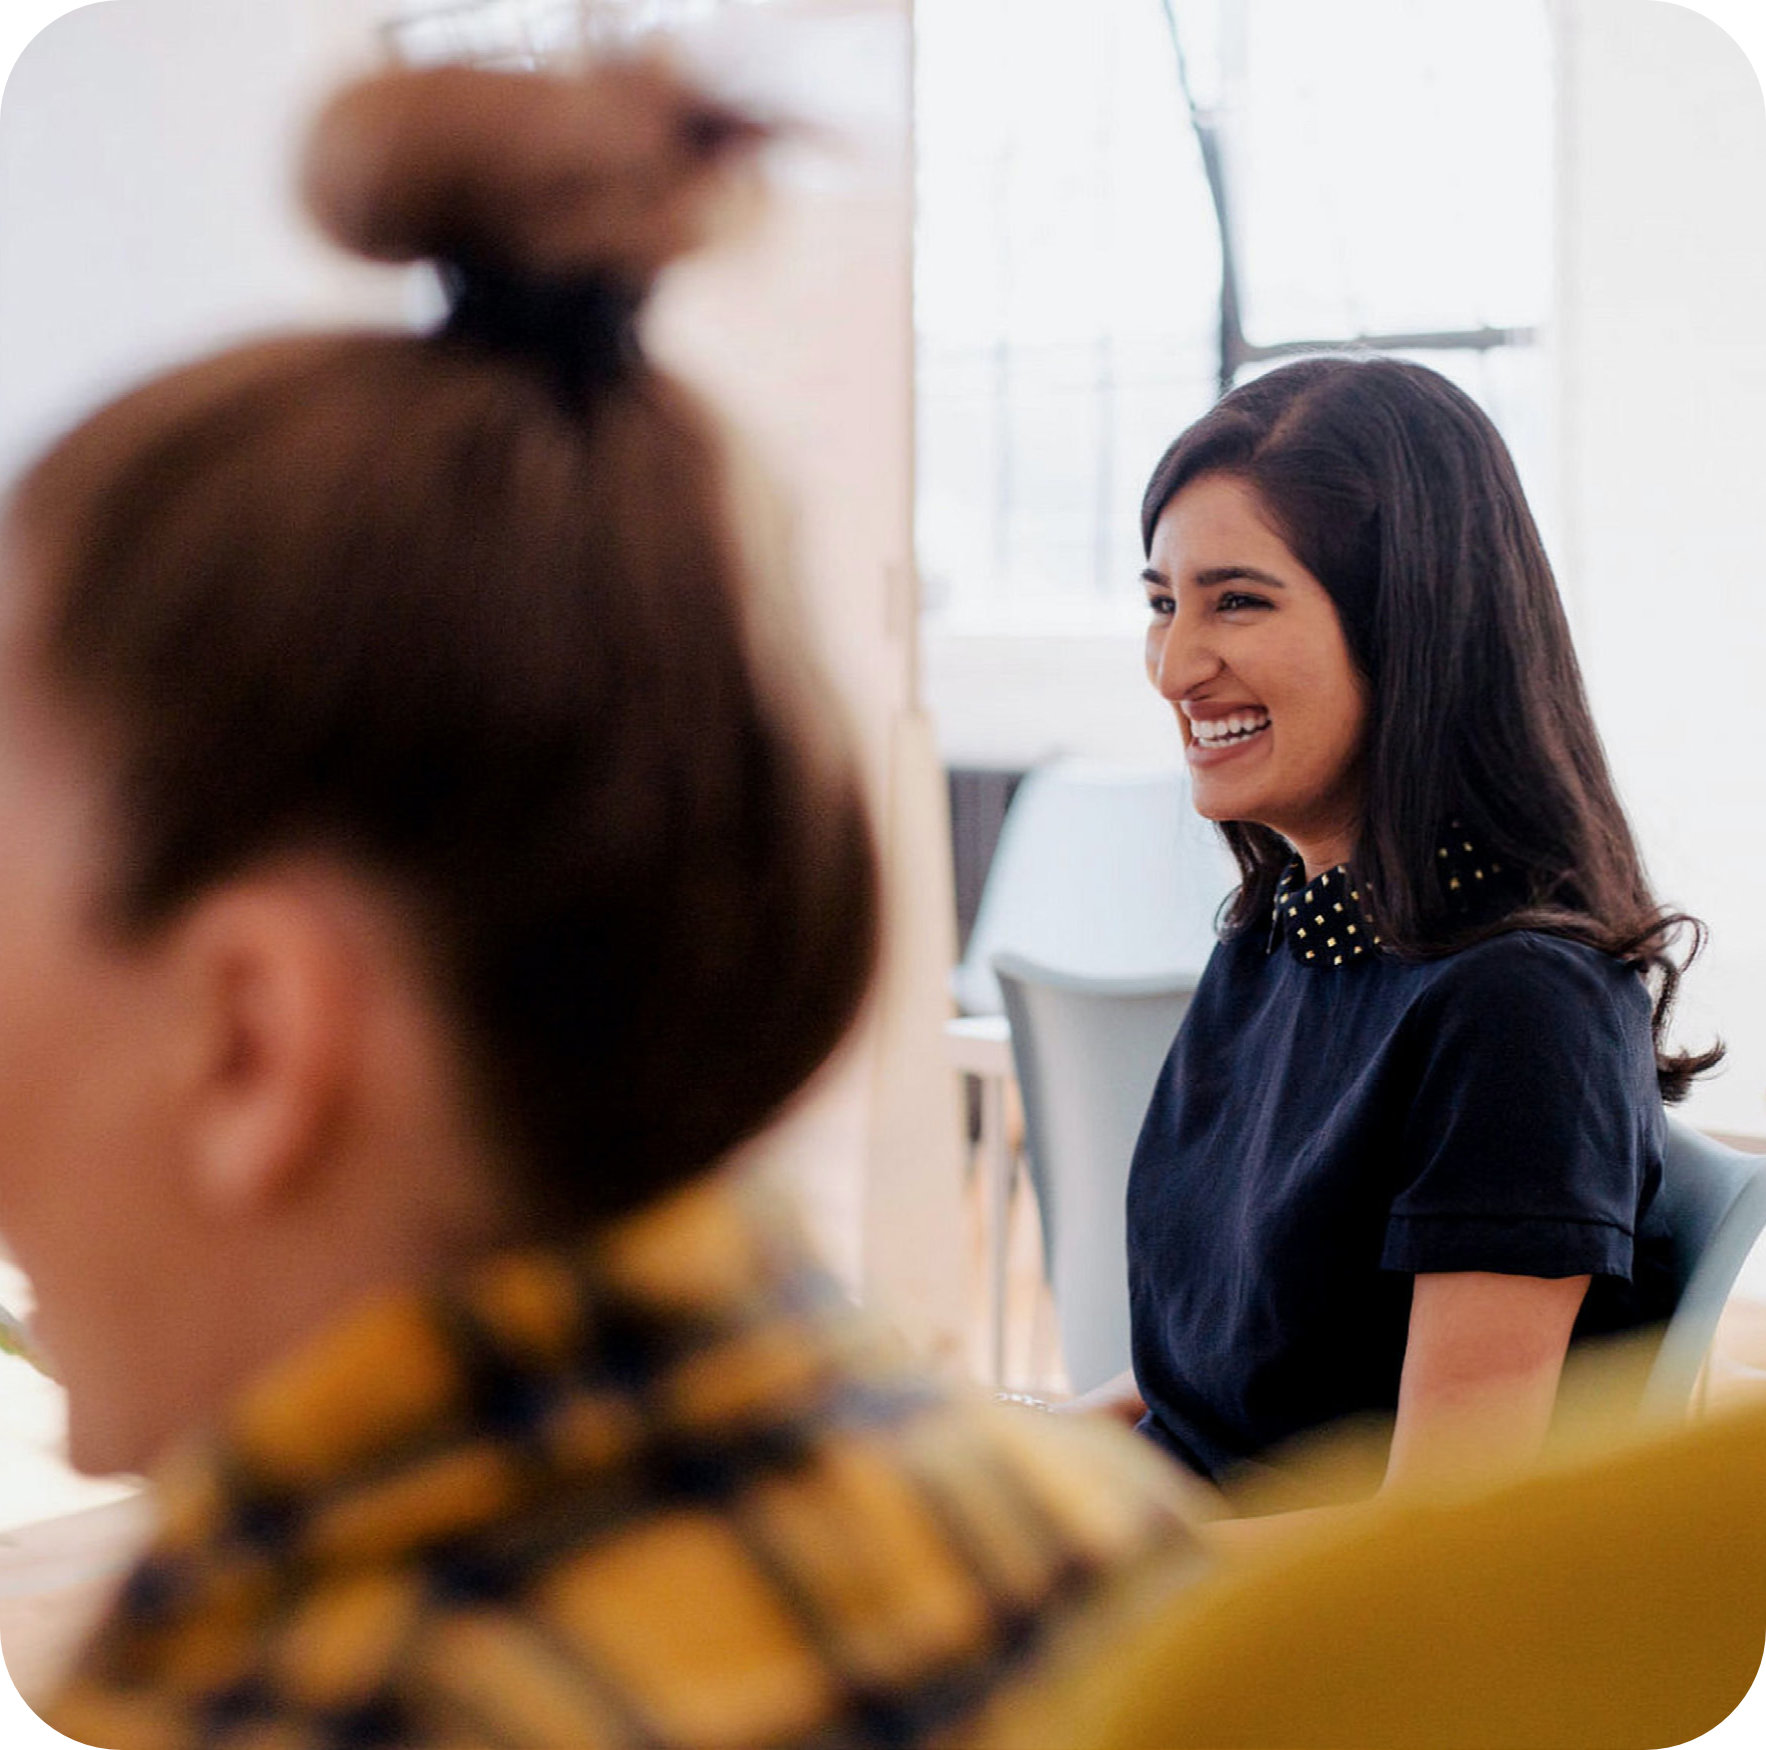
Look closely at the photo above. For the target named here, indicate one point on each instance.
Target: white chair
(1104, 871)
(1087, 1051)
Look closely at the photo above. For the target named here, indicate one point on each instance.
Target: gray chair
(1103, 870)
(1711, 1208)
(1087, 1052)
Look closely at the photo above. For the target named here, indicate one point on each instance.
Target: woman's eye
(1233, 600)
(1162, 606)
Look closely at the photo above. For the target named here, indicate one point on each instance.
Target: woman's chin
(1220, 802)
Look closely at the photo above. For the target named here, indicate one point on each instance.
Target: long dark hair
(1396, 492)
(396, 598)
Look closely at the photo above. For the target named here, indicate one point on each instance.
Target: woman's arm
(1119, 1397)
(1481, 1367)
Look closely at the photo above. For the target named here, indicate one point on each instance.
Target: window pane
(1391, 165)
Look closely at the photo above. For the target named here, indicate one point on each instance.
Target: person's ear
(272, 986)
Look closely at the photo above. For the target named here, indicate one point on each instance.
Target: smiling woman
(1402, 1147)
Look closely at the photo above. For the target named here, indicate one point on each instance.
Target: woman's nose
(1181, 658)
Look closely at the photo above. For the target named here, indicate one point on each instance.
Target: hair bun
(616, 170)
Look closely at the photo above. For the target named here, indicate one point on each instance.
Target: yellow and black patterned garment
(662, 1489)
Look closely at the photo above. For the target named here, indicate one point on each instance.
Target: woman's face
(85, 1128)
(1246, 646)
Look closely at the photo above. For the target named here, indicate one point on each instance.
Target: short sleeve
(1534, 1135)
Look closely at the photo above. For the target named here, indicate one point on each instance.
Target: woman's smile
(1214, 737)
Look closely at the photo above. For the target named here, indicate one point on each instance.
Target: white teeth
(1237, 726)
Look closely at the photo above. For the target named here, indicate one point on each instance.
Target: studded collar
(1325, 923)
(1321, 919)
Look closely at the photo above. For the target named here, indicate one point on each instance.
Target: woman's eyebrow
(1236, 574)
(1216, 574)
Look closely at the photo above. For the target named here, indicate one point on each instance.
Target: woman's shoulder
(1533, 983)
(1534, 961)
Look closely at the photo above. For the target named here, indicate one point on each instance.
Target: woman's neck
(1320, 855)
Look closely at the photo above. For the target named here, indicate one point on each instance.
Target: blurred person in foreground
(422, 872)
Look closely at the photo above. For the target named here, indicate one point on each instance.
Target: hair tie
(582, 332)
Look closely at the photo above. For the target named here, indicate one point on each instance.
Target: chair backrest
(1711, 1208)
(1087, 1052)
(1101, 870)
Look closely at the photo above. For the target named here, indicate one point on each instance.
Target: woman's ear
(273, 983)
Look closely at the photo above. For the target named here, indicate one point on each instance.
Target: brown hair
(1396, 492)
(395, 598)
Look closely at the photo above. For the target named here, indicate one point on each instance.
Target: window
(1385, 174)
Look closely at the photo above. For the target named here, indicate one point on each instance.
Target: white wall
(1661, 338)
(1014, 699)
(805, 333)
(146, 159)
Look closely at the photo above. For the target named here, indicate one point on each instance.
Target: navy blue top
(1331, 1122)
